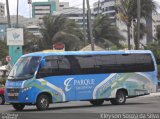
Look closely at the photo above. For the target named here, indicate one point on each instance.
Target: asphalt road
(79, 110)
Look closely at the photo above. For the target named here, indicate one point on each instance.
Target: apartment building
(2, 9)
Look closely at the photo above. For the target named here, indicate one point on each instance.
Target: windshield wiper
(24, 77)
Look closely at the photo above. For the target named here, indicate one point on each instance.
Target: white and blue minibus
(96, 76)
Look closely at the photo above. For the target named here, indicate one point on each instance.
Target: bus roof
(43, 54)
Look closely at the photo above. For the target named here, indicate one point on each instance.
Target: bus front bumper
(19, 95)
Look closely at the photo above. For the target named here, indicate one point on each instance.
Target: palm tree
(32, 43)
(106, 33)
(143, 31)
(155, 46)
(124, 9)
(60, 29)
(3, 50)
(127, 12)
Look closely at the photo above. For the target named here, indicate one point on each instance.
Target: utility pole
(84, 23)
(98, 7)
(90, 35)
(8, 14)
(138, 23)
(17, 11)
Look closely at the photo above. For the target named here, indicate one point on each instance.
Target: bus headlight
(27, 98)
(26, 89)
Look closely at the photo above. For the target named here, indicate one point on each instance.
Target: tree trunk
(136, 44)
(135, 39)
(129, 37)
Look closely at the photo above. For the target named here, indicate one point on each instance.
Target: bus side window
(105, 63)
(50, 69)
(125, 63)
(74, 65)
(87, 64)
(145, 62)
(64, 66)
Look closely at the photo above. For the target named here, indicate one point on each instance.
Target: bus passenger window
(64, 66)
(50, 69)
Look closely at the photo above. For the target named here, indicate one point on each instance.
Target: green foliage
(155, 48)
(32, 43)
(106, 34)
(3, 50)
(60, 29)
(127, 13)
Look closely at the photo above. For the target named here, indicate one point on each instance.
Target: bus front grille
(13, 93)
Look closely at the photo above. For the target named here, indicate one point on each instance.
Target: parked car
(2, 99)
(3, 75)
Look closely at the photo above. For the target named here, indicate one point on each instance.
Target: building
(105, 7)
(31, 24)
(2, 9)
(3, 27)
(63, 5)
(41, 9)
(75, 14)
(156, 22)
(34, 29)
(108, 7)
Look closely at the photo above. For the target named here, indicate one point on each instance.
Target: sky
(25, 9)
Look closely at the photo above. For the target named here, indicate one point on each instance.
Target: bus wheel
(120, 98)
(96, 102)
(42, 102)
(18, 107)
(2, 100)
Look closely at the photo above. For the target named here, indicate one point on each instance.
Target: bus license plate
(12, 94)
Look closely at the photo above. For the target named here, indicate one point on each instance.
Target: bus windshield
(24, 68)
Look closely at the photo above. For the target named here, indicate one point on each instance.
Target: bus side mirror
(43, 63)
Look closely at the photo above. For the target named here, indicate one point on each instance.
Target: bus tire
(96, 102)
(2, 100)
(120, 98)
(42, 102)
(18, 107)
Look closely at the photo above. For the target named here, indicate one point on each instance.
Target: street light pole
(8, 14)
(90, 35)
(84, 23)
(98, 11)
(17, 11)
(138, 23)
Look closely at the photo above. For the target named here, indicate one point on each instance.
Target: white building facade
(2, 9)
(156, 22)
(75, 14)
(108, 7)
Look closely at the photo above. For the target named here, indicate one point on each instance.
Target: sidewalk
(155, 94)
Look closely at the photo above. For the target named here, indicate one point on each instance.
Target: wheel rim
(121, 98)
(44, 102)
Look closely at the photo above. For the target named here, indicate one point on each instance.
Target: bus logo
(67, 84)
